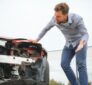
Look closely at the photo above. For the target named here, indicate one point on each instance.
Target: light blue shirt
(74, 30)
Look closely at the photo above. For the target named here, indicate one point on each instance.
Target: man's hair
(63, 7)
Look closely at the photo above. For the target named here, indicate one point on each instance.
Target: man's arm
(47, 28)
(82, 29)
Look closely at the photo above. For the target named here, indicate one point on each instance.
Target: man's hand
(80, 46)
(34, 41)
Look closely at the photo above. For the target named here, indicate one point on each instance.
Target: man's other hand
(80, 46)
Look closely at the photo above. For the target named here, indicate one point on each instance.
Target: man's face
(60, 18)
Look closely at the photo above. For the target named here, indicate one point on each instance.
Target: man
(75, 33)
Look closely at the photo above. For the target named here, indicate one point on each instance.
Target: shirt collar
(69, 19)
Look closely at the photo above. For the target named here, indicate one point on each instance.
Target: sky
(26, 19)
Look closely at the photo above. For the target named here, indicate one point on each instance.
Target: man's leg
(67, 56)
(81, 63)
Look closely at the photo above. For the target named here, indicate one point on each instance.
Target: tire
(46, 74)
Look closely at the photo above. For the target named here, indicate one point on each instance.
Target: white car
(23, 63)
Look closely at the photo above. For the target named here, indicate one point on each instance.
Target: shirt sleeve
(47, 28)
(82, 30)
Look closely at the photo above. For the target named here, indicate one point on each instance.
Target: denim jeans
(67, 55)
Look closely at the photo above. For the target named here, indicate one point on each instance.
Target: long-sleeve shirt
(73, 30)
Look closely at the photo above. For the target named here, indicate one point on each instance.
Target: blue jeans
(67, 55)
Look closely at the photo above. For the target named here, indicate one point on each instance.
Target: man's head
(61, 12)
